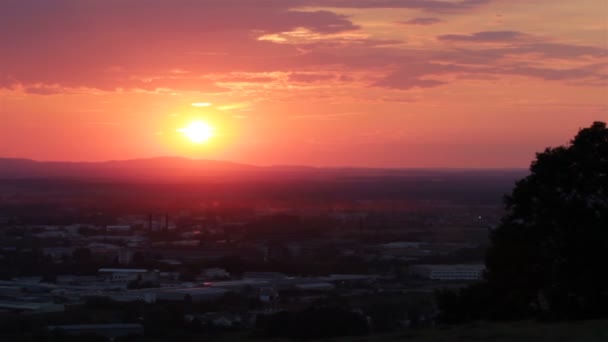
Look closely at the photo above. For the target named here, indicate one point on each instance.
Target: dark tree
(82, 255)
(549, 253)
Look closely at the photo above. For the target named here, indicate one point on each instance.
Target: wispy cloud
(332, 116)
(425, 21)
(103, 123)
(202, 104)
(485, 37)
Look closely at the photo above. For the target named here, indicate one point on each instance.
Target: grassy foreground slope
(585, 331)
(528, 331)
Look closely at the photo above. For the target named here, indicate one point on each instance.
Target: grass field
(586, 331)
(528, 331)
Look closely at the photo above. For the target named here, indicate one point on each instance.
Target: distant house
(239, 285)
(215, 273)
(125, 275)
(194, 294)
(58, 253)
(223, 319)
(134, 296)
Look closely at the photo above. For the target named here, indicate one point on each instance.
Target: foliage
(546, 259)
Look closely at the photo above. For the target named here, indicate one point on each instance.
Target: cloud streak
(217, 47)
(485, 37)
(425, 21)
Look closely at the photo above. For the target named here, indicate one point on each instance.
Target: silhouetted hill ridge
(182, 169)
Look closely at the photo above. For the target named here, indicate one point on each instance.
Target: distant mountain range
(183, 169)
(153, 168)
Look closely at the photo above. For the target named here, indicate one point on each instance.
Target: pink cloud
(485, 37)
(114, 44)
(420, 21)
(310, 77)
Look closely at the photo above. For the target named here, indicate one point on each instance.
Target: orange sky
(377, 83)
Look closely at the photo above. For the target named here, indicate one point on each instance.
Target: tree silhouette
(547, 257)
(549, 252)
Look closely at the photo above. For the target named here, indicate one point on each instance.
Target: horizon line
(321, 167)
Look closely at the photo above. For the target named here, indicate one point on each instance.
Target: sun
(197, 132)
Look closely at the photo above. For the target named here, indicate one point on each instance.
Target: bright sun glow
(197, 131)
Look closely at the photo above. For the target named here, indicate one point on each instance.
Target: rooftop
(232, 283)
(453, 267)
(122, 270)
(198, 290)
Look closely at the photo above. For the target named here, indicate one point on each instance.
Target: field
(587, 331)
(584, 331)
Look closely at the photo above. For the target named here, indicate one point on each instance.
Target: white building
(126, 275)
(134, 296)
(449, 272)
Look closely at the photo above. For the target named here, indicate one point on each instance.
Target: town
(226, 268)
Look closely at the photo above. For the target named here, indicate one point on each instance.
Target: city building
(125, 275)
(215, 273)
(194, 294)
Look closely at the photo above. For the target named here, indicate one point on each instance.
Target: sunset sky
(376, 83)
